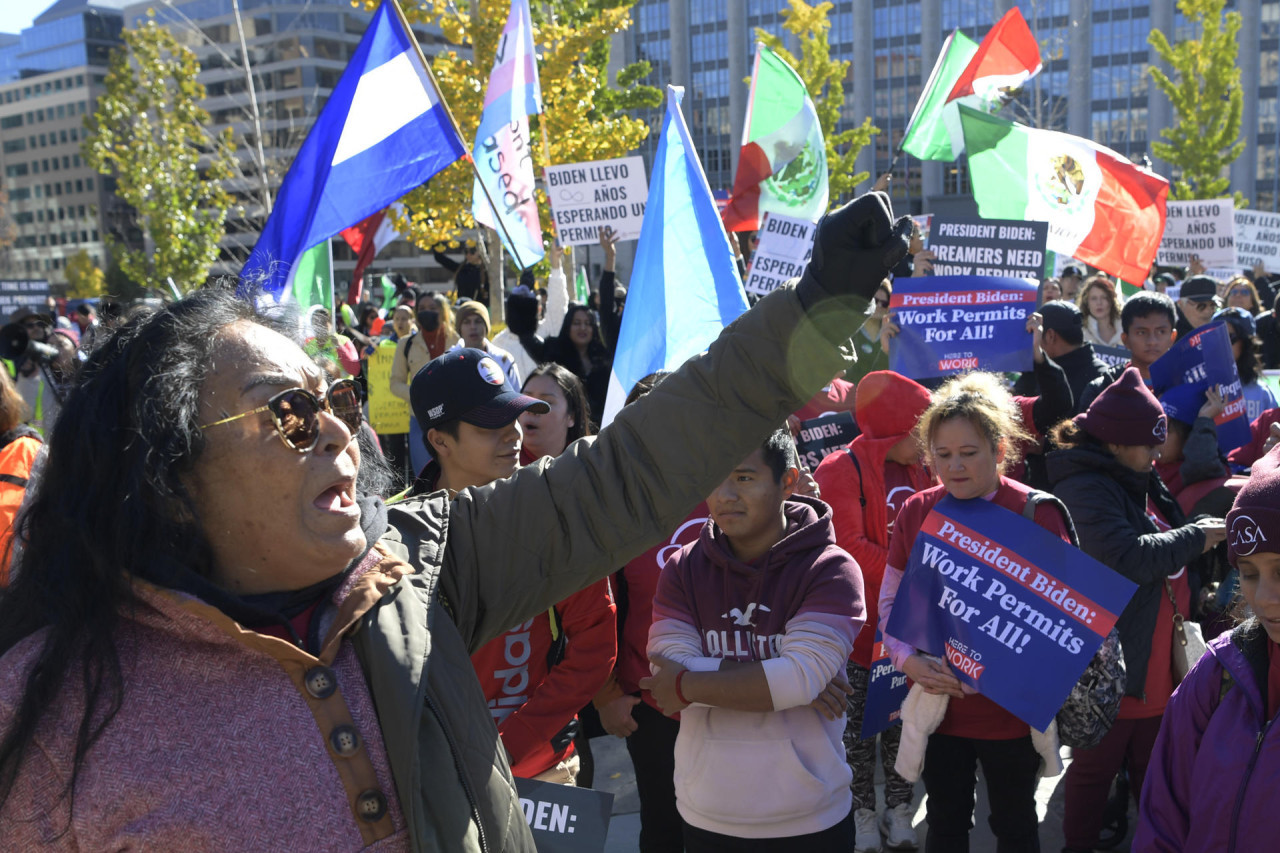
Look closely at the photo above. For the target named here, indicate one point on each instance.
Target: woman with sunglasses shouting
(215, 641)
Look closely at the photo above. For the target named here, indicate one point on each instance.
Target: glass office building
(1094, 82)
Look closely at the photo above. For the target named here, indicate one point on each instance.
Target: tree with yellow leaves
(84, 279)
(583, 114)
(824, 78)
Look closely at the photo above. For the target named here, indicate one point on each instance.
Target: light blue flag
(685, 285)
(383, 131)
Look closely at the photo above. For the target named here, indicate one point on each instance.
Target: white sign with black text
(785, 246)
(586, 197)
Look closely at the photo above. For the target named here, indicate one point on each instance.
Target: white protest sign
(586, 197)
(1199, 228)
(1258, 239)
(785, 246)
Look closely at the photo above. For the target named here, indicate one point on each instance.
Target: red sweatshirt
(530, 704)
(864, 531)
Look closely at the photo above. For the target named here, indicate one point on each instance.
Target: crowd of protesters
(225, 595)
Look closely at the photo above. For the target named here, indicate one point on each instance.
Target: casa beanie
(1126, 413)
(1253, 525)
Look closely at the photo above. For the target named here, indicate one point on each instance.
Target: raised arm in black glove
(855, 248)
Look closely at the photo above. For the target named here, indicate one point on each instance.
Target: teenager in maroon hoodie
(865, 486)
(751, 625)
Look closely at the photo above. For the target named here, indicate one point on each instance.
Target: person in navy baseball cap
(468, 414)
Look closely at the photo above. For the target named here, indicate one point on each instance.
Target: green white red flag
(982, 76)
(1101, 208)
(929, 135)
(782, 167)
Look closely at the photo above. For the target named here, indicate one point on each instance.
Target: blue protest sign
(950, 324)
(886, 691)
(1201, 360)
(565, 819)
(1017, 612)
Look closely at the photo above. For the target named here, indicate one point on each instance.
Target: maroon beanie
(889, 404)
(1253, 525)
(1126, 413)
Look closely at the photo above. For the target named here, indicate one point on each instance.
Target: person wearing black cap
(1063, 342)
(469, 414)
(1197, 301)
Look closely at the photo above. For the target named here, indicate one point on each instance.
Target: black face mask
(428, 321)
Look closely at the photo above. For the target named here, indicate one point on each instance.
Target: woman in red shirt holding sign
(969, 433)
(1126, 520)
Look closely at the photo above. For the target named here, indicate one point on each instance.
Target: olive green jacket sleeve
(515, 547)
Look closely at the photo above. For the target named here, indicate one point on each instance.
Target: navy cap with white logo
(468, 385)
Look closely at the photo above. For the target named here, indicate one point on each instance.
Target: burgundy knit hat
(888, 404)
(1253, 525)
(1126, 413)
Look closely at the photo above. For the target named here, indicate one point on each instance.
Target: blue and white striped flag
(383, 132)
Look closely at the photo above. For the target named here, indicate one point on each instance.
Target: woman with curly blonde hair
(969, 433)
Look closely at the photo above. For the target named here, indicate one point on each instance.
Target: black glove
(854, 250)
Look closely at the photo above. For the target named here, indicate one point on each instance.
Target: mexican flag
(782, 167)
(928, 135)
(581, 290)
(1101, 208)
(311, 279)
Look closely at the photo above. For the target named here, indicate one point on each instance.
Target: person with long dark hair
(580, 348)
(569, 419)
(209, 617)
(1246, 350)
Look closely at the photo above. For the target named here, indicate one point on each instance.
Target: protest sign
(1113, 356)
(1258, 239)
(820, 437)
(950, 324)
(886, 691)
(924, 223)
(1197, 362)
(1204, 229)
(1016, 611)
(586, 197)
(563, 818)
(388, 414)
(785, 246)
(990, 247)
(22, 293)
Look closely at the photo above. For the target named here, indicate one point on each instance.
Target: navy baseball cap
(468, 385)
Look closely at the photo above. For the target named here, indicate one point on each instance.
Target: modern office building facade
(1094, 83)
(51, 74)
(297, 50)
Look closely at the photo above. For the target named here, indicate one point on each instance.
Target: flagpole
(422, 57)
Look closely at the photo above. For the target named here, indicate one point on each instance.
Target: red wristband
(679, 692)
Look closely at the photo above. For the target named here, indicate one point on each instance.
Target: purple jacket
(1220, 797)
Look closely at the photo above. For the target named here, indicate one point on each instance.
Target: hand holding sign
(933, 675)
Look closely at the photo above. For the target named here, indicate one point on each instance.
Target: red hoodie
(530, 704)
(888, 407)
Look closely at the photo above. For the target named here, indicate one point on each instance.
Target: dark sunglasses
(296, 413)
(883, 303)
(1240, 291)
(1235, 339)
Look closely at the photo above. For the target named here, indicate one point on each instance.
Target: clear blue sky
(17, 15)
